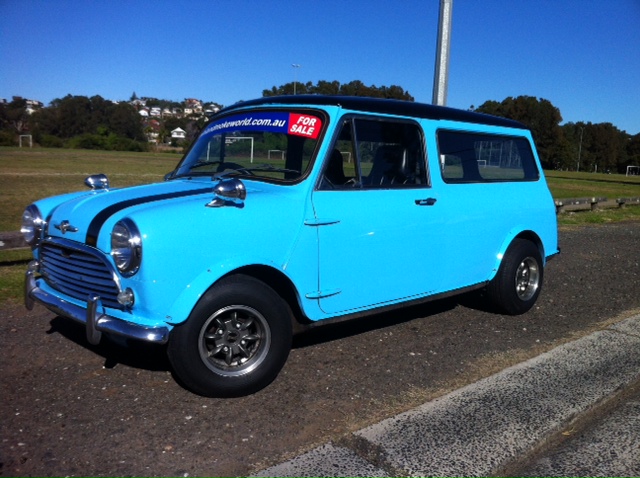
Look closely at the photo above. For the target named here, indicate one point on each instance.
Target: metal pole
(295, 76)
(441, 78)
(579, 149)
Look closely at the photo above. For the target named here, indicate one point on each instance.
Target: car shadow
(328, 332)
(114, 349)
(153, 357)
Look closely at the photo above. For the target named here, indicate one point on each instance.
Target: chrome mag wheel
(527, 278)
(234, 340)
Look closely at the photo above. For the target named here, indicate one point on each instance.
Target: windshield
(268, 145)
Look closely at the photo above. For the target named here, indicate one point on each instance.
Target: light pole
(580, 148)
(441, 76)
(295, 76)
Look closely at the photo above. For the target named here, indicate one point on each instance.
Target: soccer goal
(633, 170)
(26, 136)
(347, 155)
(237, 147)
(274, 153)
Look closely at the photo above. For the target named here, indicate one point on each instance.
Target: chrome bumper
(92, 316)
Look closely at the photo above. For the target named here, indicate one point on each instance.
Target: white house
(178, 133)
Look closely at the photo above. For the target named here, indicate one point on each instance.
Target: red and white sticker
(304, 125)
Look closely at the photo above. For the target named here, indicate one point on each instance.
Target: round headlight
(126, 247)
(32, 225)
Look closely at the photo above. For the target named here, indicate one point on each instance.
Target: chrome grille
(78, 271)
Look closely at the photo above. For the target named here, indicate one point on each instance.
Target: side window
(476, 157)
(376, 154)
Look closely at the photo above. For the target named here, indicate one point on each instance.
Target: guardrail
(14, 240)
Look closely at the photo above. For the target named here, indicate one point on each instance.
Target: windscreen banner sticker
(297, 124)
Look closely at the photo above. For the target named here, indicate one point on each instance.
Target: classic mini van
(291, 211)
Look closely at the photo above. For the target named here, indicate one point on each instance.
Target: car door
(377, 218)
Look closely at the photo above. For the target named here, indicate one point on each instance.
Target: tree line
(353, 88)
(75, 122)
(96, 123)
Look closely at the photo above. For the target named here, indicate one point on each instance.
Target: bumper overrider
(92, 315)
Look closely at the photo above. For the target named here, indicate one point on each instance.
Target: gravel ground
(72, 409)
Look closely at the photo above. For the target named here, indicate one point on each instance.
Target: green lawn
(30, 174)
(579, 185)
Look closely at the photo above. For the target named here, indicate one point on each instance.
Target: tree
(541, 117)
(14, 116)
(124, 120)
(353, 88)
(89, 121)
(633, 151)
(601, 147)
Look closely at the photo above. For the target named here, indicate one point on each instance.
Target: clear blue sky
(582, 55)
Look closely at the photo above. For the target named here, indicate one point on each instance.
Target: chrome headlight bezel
(126, 247)
(32, 225)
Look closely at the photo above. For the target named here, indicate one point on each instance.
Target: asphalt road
(72, 409)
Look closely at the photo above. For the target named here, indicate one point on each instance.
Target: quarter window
(473, 157)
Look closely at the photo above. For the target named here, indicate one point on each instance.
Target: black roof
(384, 106)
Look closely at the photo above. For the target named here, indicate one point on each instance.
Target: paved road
(72, 409)
(509, 423)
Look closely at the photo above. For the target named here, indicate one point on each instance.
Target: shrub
(112, 142)
(50, 141)
(7, 138)
(87, 141)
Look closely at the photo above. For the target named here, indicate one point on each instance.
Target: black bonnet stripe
(99, 220)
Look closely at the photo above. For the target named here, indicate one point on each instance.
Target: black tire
(235, 341)
(517, 285)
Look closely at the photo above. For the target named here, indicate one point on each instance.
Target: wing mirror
(229, 192)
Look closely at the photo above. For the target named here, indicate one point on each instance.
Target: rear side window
(475, 157)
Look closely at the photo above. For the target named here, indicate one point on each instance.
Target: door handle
(426, 202)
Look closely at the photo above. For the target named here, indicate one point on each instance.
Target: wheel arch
(281, 284)
(526, 234)
(534, 238)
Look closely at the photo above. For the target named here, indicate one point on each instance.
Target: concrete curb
(483, 427)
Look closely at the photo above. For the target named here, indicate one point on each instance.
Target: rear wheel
(516, 286)
(236, 340)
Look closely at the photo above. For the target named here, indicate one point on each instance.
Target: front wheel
(516, 286)
(236, 340)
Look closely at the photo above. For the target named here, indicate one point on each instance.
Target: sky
(581, 55)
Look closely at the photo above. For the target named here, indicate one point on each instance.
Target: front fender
(191, 293)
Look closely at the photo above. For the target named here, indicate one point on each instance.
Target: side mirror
(229, 192)
(97, 182)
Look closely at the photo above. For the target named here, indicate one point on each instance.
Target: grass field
(565, 185)
(30, 174)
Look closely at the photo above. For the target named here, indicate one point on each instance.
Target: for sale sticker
(304, 125)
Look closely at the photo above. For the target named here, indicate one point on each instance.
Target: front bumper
(93, 315)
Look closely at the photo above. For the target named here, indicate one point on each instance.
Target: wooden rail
(12, 240)
(591, 204)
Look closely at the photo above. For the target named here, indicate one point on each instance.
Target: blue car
(288, 212)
